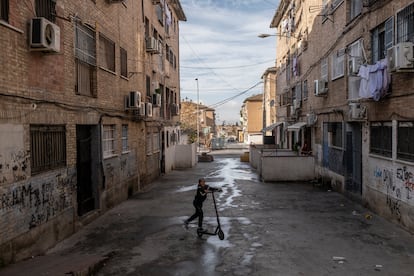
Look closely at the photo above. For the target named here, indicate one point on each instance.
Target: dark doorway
(354, 159)
(163, 152)
(85, 188)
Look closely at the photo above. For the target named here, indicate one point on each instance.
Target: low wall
(185, 156)
(287, 168)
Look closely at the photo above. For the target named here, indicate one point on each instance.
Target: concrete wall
(288, 168)
(185, 156)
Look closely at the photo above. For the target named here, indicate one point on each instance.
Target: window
(148, 86)
(155, 142)
(106, 53)
(355, 8)
(354, 53)
(381, 138)
(4, 10)
(149, 143)
(85, 54)
(124, 62)
(382, 39)
(335, 135)
(108, 140)
(324, 69)
(338, 68)
(405, 24)
(305, 89)
(125, 138)
(405, 146)
(47, 147)
(46, 9)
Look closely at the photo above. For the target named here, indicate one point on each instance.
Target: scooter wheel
(220, 235)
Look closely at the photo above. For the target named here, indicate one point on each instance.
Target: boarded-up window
(47, 147)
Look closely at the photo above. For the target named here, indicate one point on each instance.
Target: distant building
(206, 121)
(252, 119)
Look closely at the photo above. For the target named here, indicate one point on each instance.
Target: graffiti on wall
(398, 187)
(38, 200)
(14, 166)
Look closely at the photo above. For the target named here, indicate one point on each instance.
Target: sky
(219, 46)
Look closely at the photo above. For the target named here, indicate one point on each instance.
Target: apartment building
(205, 121)
(269, 105)
(345, 85)
(89, 95)
(252, 119)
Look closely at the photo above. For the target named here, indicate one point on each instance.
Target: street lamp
(198, 126)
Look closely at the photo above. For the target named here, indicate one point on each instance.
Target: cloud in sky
(220, 47)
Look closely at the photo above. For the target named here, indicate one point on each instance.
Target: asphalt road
(270, 229)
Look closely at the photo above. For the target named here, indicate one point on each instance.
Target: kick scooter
(218, 230)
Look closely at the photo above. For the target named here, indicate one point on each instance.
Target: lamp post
(198, 125)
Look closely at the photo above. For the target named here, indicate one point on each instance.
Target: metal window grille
(405, 24)
(125, 138)
(85, 54)
(46, 9)
(381, 138)
(108, 140)
(4, 10)
(405, 147)
(47, 147)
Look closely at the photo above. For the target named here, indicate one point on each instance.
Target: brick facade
(312, 48)
(39, 90)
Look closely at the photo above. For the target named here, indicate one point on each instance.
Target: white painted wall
(185, 156)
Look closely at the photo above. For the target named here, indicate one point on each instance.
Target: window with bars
(381, 138)
(46, 9)
(108, 140)
(305, 89)
(382, 39)
(47, 147)
(405, 146)
(85, 54)
(155, 142)
(124, 62)
(4, 10)
(125, 146)
(149, 143)
(335, 135)
(106, 53)
(405, 24)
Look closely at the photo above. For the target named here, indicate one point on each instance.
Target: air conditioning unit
(320, 87)
(156, 99)
(134, 99)
(148, 109)
(400, 57)
(152, 45)
(354, 63)
(357, 112)
(141, 110)
(44, 35)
